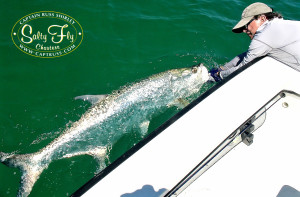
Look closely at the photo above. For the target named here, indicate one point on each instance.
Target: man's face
(253, 25)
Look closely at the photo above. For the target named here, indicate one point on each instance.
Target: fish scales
(108, 119)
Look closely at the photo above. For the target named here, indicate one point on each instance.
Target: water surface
(124, 41)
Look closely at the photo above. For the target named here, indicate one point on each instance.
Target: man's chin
(250, 36)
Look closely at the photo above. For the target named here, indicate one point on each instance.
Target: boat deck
(268, 167)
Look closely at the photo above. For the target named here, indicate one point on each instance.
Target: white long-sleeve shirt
(277, 38)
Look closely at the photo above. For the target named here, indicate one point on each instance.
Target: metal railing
(243, 133)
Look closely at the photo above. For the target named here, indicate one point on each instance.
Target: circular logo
(47, 34)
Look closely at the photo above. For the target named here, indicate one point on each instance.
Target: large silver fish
(108, 119)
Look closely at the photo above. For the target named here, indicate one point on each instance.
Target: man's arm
(256, 49)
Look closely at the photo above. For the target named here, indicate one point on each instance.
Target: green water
(123, 41)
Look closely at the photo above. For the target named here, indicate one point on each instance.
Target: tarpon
(127, 109)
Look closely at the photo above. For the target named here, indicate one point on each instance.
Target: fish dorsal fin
(91, 98)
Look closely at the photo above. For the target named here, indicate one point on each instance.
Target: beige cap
(248, 13)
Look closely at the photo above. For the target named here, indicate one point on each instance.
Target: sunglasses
(246, 26)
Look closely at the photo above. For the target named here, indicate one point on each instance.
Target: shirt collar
(263, 25)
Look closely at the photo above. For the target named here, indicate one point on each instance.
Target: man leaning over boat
(270, 35)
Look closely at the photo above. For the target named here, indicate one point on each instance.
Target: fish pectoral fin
(144, 127)
(91, 98)
(180, 103)
(99, 151)
(30, 175)
(99, 154)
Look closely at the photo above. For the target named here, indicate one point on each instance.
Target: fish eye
(194, 69)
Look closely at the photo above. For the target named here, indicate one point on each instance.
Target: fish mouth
(204, 73)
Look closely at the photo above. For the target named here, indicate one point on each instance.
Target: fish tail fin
(30, 169)
(8, 159)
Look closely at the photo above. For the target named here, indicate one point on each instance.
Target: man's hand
(214, 74)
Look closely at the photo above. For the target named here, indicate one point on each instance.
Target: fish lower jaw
(204, 74)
